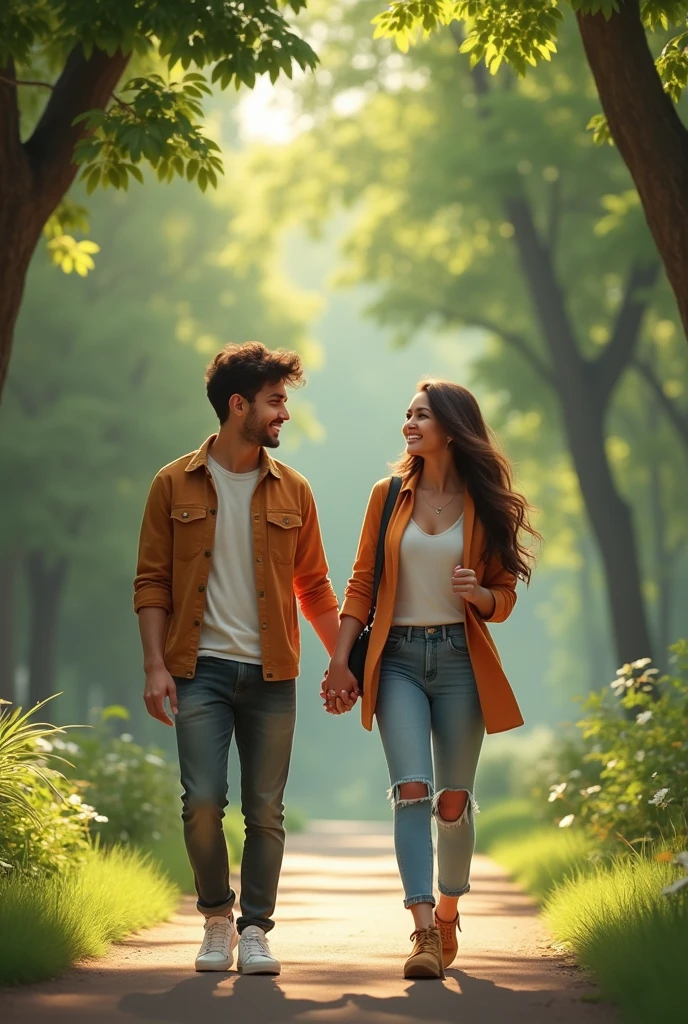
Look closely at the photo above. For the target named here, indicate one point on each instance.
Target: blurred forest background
(375, 216)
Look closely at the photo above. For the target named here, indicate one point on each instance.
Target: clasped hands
(339, 690)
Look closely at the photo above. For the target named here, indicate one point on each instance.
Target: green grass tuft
(633, 939)
(48, 923)
(544, 858)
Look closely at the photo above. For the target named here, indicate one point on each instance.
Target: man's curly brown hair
(245, 369)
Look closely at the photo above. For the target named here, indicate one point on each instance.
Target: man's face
(265, 417)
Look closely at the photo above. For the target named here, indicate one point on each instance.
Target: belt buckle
(432, 629)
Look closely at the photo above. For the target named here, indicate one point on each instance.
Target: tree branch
(85, 84)
(618, 353)
(22, 81)
(518, 342)
(676, 416)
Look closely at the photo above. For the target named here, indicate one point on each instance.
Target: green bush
(635, 743)
(632, 938)
(133, 787)
(44, 822)
(47, 923)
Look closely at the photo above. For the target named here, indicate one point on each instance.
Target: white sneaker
(217, 949)
(254, 953)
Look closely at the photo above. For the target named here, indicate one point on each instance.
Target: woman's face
(422, 431)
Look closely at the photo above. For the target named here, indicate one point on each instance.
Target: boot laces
(215, 939)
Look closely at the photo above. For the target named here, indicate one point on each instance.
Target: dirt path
(342, 934)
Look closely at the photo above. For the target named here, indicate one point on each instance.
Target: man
(230, 538)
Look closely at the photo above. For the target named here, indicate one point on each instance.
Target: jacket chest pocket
(283, 534)
(189, 526)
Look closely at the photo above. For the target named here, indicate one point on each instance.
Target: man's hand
(339, 689)
(160, 684)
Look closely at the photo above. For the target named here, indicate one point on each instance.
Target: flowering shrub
(633, 779)
(44, 822)
(133, 787)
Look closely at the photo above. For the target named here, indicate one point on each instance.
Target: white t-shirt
(230, 627)
(424, 589)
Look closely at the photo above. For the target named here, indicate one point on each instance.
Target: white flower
(43, 745)
(72, 748)
(101, 818)
(611, 764)
(575, 774)
(641, 662)
(74, 799)
(154, 759)
(668, 890)
(592, 789)
(566, 820)
(622, 807)
(126, 737)
(640, 755)
(643, 717)
(659, 798)
(682, 858)
(556, 791)
(618, 685)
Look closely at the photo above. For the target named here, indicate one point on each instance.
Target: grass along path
(46, 924)
(342, 934)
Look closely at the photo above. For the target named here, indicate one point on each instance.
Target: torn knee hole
(454, 806)
(410, 791)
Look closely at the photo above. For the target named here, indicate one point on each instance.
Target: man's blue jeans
(223, 698)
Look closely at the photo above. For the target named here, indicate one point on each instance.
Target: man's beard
(255, 432)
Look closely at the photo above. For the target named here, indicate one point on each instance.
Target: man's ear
(237, 405)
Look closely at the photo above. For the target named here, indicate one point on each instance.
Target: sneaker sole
(222, 965)
(259, 969)
(419, 971)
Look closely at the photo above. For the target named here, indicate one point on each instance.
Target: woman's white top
(424, 590)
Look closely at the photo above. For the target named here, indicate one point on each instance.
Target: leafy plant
(637, 747)
(133, 786)
(44, 822)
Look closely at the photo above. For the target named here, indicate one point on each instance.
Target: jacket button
(201, 588)
(285, 521)
(264, 626)
(261, 593)
(256, 518)
(207, 554)
(212, 511)
(197, 622)
(185, 515)
(259, 559)
(189, 675)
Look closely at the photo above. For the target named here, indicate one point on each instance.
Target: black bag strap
(391, 500)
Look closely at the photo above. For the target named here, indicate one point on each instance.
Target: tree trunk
(36, 174)
(584, 400)
(8, 661)
(647, 131)
(46, 581)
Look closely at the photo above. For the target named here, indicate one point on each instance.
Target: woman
(453, 554)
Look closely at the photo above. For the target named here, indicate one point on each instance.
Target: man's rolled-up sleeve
(153, 582)
(312, 585)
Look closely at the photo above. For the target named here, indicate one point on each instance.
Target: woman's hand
(339, 689)
(465, 585)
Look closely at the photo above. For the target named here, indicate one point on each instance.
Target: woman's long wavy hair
(486, 472)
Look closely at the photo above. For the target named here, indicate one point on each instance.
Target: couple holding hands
(230, 542)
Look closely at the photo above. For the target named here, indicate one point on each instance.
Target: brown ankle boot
(450, 940)
(425, 960)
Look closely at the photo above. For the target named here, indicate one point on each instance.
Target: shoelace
(215, 940)
(255, 944)
(447, 928)
(424, 937)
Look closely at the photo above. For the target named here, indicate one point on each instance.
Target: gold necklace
(437, 510)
